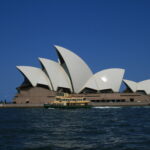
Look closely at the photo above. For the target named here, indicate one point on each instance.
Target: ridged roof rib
(106, 79)
(144, 86)
(56, 74)
(34, 75)
(77, 69)
(131, 85)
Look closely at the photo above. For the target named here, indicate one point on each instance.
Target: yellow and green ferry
(68, 102)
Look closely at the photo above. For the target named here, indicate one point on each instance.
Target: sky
(104, 33)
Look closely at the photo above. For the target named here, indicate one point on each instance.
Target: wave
(106, 107)
(51, 108)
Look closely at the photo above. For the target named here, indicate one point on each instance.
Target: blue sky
(105, 33)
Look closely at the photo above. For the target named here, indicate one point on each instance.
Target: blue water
(82, 129)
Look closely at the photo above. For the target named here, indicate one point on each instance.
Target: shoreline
(93, 105)
(21, 106)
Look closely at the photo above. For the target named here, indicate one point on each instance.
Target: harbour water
(100, 128)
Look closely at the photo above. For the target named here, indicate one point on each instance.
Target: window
(131, 99)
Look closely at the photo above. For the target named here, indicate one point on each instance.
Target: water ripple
(106, 128)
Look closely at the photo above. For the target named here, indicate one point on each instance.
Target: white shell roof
(144, 85)
(35, 75)
(131, 84)
(106, 79)
(56, 73)
(78, 70)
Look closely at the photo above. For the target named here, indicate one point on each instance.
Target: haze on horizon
(106, 34)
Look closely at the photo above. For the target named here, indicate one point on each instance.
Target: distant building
(72, 75)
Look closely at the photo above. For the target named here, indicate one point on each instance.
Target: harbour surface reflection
(83, 129)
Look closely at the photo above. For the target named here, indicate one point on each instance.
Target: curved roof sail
(77, 70)
(144, 86)
(56, 74)
(34, 75)
(106, 79)
(131, 85)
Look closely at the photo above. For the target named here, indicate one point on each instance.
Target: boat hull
(66, 107)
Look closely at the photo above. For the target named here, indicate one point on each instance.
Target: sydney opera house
(72, 75)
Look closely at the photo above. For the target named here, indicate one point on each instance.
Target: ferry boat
(68, 102)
